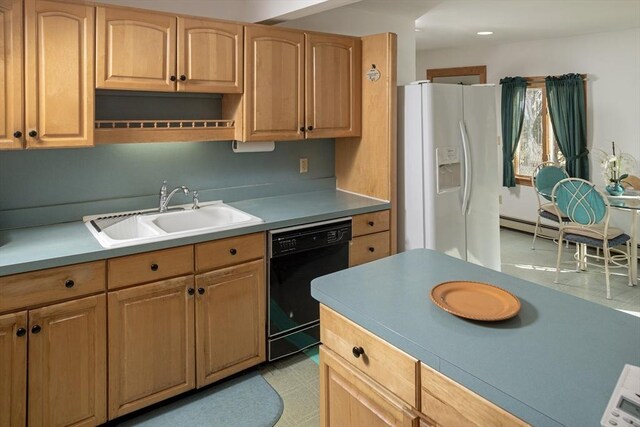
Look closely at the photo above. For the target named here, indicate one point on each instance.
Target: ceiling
(447, 24)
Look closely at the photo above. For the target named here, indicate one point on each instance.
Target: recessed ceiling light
(484, 33)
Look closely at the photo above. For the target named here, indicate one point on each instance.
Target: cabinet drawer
(150, 266)
(225, 252)
(387, 365)
(54, 284)
(369, 248)
(448, 403)
(370, 223)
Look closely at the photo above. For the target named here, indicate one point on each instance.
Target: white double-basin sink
(133, 228)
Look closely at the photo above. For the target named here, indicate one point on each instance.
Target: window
(537, 143)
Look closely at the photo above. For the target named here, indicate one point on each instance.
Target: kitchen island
(555, 363)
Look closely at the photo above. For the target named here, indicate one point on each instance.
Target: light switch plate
(304, 165)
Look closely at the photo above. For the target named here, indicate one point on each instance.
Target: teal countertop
(555, 363)
(35, 248)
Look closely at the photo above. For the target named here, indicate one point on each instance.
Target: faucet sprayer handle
(196, 202)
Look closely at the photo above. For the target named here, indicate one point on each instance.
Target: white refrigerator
(448, 171)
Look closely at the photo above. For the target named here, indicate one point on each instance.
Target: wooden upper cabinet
(11, 90)
(209, 56)
(333, 92)
(274, 92)
(135, 50)
(13, 369)
(59, 82)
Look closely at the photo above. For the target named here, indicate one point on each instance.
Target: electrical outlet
(304, 165)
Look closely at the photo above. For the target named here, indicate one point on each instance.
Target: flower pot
(615, 189)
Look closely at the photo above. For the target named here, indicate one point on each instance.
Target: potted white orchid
(615, 169)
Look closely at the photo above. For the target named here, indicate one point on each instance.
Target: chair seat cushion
(595, 233)
(548, 211)
(590, 241)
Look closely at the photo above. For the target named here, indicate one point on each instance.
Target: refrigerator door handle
(467, 168)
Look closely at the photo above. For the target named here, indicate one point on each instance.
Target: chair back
(631, 181)
(581, 202)
(545, 176)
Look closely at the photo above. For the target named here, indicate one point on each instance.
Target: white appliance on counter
(448, 172)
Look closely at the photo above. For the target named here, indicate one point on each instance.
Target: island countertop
(555, 363)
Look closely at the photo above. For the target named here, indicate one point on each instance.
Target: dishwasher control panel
(297, 239)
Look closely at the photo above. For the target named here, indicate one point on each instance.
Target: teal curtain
(565, 98)
(514, 91)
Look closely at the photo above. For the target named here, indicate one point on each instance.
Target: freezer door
(483, 221)
(443, 169)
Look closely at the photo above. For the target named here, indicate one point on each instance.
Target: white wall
(612, 63)
(358, 22)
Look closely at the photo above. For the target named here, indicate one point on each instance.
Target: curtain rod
(541, 79)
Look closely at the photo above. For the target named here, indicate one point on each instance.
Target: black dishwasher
(298, 255)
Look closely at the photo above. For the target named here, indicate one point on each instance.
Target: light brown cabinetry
(230, 306)
(300, 85)
(13, 369)
(151, 344)
(158, 52)
(11, 75)
(371, 238)
(54, 91)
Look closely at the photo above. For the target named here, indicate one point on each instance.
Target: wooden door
(348, 398)
(230, 325)
(68, 364)
(11, 90)
(209, 56)
(151, 348)
(59, 82)
(135, 50)
(274, 92)
(333, 79)
(13, 369)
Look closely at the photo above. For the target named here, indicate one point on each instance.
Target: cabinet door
(274, 92)
(67, 363)
(348, 398)
(151, 354)
(11, 89)
(135, 50)
(209, 56)
(333, 94)
(59, 74)
(13, 369)
(230, 325)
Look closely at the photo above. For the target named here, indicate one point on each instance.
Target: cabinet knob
(371, 223)
(173, 78)
(36, 329)
(33, 134)
(233, 251)
(372, 249)
(154, 267)
(302, 129)
(309, 128)
(21, 332)
(17, 134)
(201, 291)
(69, 284)
(183, 77)
(191, 291)
(357, 352)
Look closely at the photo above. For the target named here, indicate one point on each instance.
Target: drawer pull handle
(69, 284)
(36, 329)
(372, 249)
(154, 267)
(371, 223)
(191, 291)
(201, 291)
(233, 251)
(357, 352)
(21, 332)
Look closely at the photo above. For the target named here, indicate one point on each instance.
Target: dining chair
(631, 181)
(588, 211)
(544, 177)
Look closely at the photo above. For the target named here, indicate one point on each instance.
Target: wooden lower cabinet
(13, 369)
(151, 344)
(67, 363)
(349, 398)
(230, 321)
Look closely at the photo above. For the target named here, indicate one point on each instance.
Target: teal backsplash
(39, 187)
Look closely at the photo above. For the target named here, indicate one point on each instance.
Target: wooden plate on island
(475, 300)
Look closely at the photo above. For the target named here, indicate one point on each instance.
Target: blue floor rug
(245, 401)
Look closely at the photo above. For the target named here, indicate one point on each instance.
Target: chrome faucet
(164, 198)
